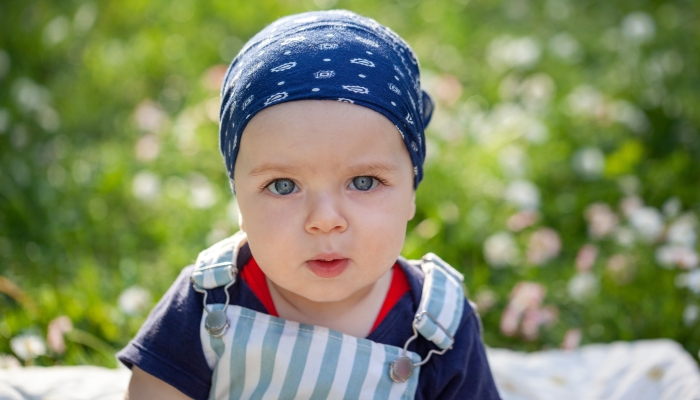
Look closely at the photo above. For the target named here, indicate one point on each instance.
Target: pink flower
(534, 318)
(522, 220)
(630, 204)
(57, 328)
(601, 220)
(586, 257)
(526, 305)
(572, 338)
(620, 268)
(485, 299)
(544, 245)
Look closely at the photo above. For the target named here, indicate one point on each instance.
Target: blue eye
(364, 183)
(282, 186)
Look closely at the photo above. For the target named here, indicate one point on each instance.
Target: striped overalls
(256, 355)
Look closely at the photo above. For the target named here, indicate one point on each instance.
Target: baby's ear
(412, 207)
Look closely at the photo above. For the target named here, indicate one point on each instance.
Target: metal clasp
(401, 369)
(216, 321)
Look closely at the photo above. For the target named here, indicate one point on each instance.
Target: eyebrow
(369, 168)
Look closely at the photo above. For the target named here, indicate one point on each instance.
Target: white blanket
(647, 369)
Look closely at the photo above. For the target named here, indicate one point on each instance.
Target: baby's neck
(354, 316)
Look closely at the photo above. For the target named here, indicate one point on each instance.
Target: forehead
(320, 133)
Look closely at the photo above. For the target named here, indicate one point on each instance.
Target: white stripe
(223, 368)
(348, 350)
(449, 306)
(254, 354)
(438, 336)
(398, 389)
(204, 336)
(313, 363)
(282, 359)
(375, 370)
(427, 284)
(209, 281)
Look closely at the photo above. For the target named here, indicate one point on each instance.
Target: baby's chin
(325, 296)
(328, 293)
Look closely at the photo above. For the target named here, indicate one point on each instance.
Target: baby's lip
(328, 265)
(328, 257)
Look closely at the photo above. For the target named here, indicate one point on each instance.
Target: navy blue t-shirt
(168, 345)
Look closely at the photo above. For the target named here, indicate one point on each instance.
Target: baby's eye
(363, 183)
(282, 186)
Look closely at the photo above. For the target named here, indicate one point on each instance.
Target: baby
(322, 131)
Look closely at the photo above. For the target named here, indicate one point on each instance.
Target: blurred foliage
(111, 181)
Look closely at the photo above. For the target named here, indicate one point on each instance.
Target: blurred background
(562, 175)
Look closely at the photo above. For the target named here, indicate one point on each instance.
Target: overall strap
(216, 267)
(442, 302)
(438, 316)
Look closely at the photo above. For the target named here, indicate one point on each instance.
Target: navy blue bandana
(326, 55)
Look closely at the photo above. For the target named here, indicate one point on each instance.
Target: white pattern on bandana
(394, 89)
(362, 61)
(284, 67)
(324, 74)
(275, 97)
(356, 89)
(247, 102)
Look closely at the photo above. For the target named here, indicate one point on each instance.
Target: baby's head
(322, 123)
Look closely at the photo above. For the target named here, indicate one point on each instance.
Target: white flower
(583, 286)
(585, 101)
(134, 300)
(8, 362)
(28, 346)
(589, 162)
(626, 113)
(543, 246)
(146, 185)
(683, 231)
(638, 27)
(691, 280)
(565, 47)
(523, 194)
(500, 250)
(691, 314)
(648, 223)
(672, 207)
(624, 236)
(506, 52)
(670, 255)
(601, 220)
(202, 194)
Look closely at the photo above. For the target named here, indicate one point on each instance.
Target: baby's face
(325, 190)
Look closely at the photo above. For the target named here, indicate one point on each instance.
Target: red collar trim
(256, 280)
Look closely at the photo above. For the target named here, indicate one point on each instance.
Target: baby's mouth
(327, 267)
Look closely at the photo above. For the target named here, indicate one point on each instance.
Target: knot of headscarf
(326, 55)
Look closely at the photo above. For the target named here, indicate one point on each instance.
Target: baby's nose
(325, 215)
